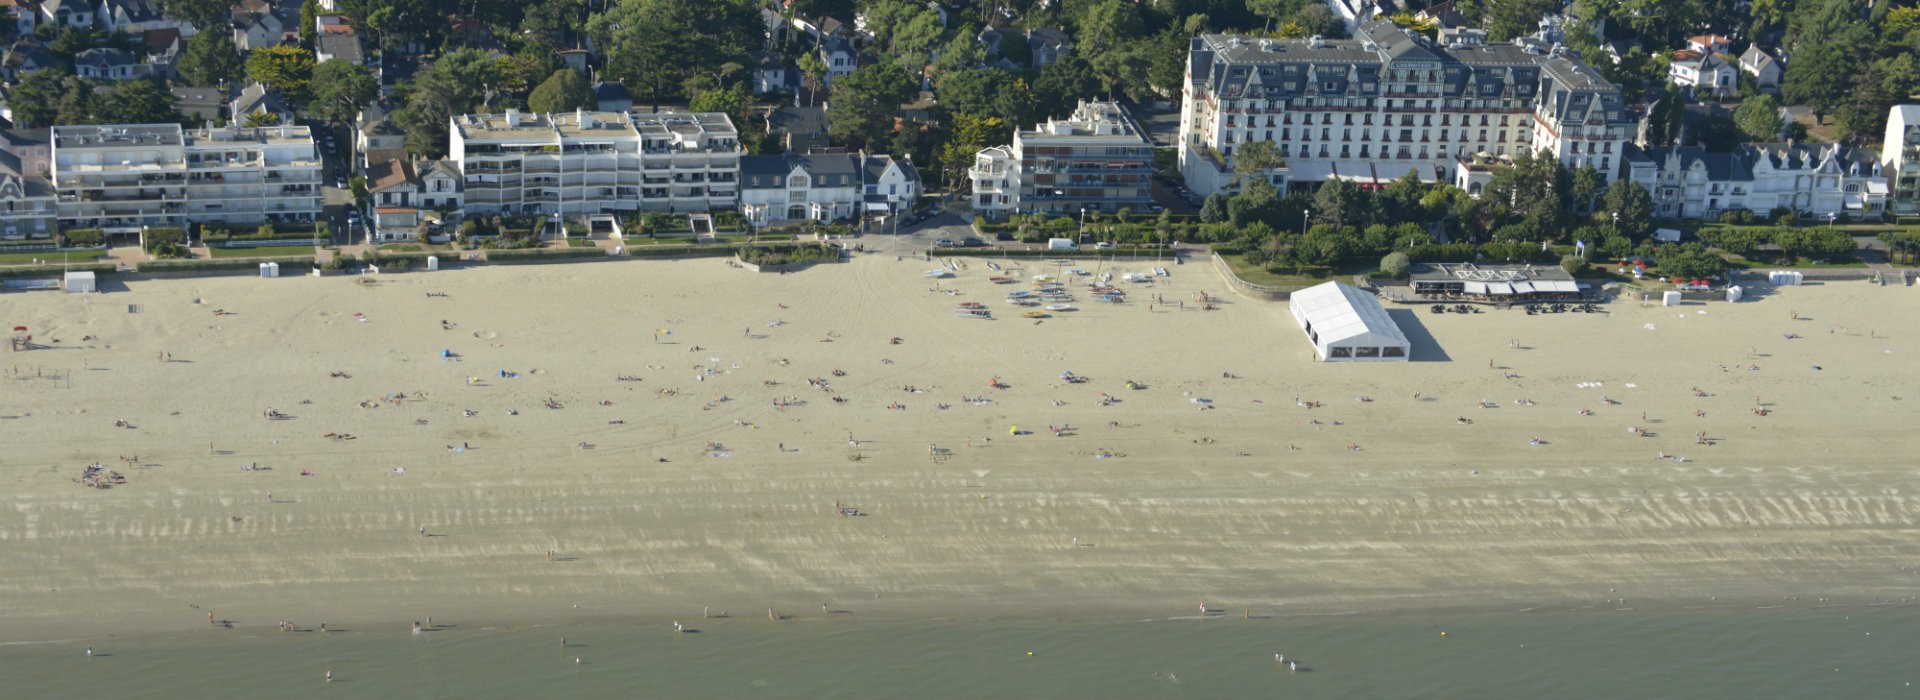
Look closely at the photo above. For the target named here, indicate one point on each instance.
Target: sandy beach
(610, 440)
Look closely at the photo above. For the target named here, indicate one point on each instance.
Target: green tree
(1689, 261)
(1629, 208)
(1214, 209)
(812, 69)
(563, 91)
(1506, 19)
(1167, 65)
(1587, 187)
(209, 59)
(1826, 45)
(656, 46)
(260, 119)
(340, 90)
(552, 23)
(309, 23)
(970, 134)
(1013, 47)
(1340, 203)
(1401, 199)
(36, 98)
(1758, 118)
(142, 101)
(732, 103)
(1255, 158)
(1062, 85)
(288, 69)
(1535, 190)
(200, 13)
(865, 102)
(992, 91)
(1395, 264)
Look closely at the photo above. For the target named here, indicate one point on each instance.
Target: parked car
(943, 243)
(1103, 245)
(1003, 236)
(972, 242)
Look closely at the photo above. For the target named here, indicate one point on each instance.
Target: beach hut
(1670, 298)
(433, 262)
(1346, 324)
(78, 282)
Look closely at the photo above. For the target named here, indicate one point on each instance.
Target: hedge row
(679, 251)
(223, 264)
(54, 270)
(1083, 253)
(535, 255)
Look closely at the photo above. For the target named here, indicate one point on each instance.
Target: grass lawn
(1255, 274)
(417, 248)
(53, 257)
(262, 252)
(1846, 261)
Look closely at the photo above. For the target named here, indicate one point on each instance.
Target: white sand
(1815, 500)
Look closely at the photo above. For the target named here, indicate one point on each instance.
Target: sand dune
(1255, 502)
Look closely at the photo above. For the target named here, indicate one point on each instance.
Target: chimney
(513, 116)
(582, 118)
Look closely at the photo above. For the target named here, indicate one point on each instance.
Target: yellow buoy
(1029, 653)
(1443, 634)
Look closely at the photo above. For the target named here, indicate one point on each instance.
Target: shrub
(1780, 215)
(266, 232)
(1573, 264)
(1395, 264)
(781, 255)
(531, 255)
(83, 238)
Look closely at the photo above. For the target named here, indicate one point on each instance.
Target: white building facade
(995, 178)
(1820, 182)
(1900, 160)
(1095, 160)
(122, 178)
(1373, 108)
(596, 162)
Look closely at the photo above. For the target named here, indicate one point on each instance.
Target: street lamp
(1306, 215)
(1083, 224)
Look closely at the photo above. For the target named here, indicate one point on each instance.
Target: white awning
(1474, 287)
(1523, 288)
(1499, 288)
(880, 207)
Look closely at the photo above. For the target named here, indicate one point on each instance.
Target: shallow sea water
(1834, 652)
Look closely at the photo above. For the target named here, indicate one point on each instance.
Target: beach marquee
(1346, 324)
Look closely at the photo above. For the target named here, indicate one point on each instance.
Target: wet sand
(667, 500)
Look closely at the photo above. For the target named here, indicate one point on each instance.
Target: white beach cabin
(1348, 325)
(80, 282)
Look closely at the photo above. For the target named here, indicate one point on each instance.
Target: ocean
(1787, 652)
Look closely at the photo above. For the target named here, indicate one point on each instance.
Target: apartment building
(1816, 181)
(824, 186)
(995, 184)
(26, 202)
(1387, 102)
(596, 162)
(122, 178)
(1095, 160)
(1900, 160)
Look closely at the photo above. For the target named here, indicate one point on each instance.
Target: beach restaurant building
(1494, 283)
(1346, 324)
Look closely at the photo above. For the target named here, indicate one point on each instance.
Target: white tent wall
(1345, 324)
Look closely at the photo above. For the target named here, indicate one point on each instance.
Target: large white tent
(1348, 325)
